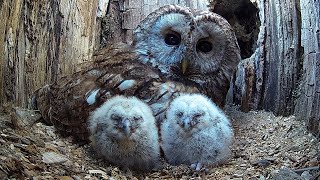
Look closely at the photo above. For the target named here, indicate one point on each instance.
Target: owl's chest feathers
(196, 79)
(126, 145)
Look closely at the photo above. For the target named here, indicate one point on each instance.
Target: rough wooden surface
(273, 69)
(283, 74)
(42, 40)
(308, 102)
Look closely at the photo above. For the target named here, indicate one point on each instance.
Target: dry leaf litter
(265, 147)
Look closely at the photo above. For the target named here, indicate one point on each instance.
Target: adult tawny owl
(124, 132)
(196, 132)
(192, 47)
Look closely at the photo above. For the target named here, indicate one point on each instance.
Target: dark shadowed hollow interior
(243, 16)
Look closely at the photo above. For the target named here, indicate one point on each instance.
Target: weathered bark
(308, 102)
(282, 75)
(270, 75)
(42, 40)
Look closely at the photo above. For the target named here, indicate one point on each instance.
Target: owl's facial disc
(163, 43)
(126, 122)
(188, 121)
(210, 40)
(203, 46)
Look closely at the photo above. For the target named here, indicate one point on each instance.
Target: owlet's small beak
(126, 127)
(184, 65)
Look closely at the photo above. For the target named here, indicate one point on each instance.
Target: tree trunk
(282, 75)
(43, 40)
(308, 101)
(271, 73)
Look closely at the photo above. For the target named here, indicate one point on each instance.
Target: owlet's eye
(204, 46)
(116, 117)
(179, 114)
(172, 38)
(198, 115)
(137, 118)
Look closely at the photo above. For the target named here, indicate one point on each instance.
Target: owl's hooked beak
(186, 123)
(126, 127)
(184, 65)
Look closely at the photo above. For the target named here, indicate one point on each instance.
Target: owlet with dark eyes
(196, 132)
(124, 132)
(174, 50)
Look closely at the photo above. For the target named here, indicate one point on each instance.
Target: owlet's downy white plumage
(123, 131)
(174, 50)
(196, 132)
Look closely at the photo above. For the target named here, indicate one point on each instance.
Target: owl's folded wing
(68, 102)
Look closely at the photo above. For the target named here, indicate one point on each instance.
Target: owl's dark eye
(196, 116)
(137, 118)
(116, 117)
(179, 114)
(172, 38)
(204, 46)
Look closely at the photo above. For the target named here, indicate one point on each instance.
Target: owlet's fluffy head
(122, 117)
(123, 132)
(194, 112)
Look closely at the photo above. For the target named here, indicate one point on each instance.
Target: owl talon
(196, 166)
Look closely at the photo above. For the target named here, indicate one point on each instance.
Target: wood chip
(53, 158)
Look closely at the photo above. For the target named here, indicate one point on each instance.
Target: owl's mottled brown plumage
(68, 102)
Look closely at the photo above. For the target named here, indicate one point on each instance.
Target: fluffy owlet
(196, 132)
(123, 131)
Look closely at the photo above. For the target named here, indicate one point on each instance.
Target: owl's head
(121, 117)
(164, 36)
(185, 43)
(192, 112)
